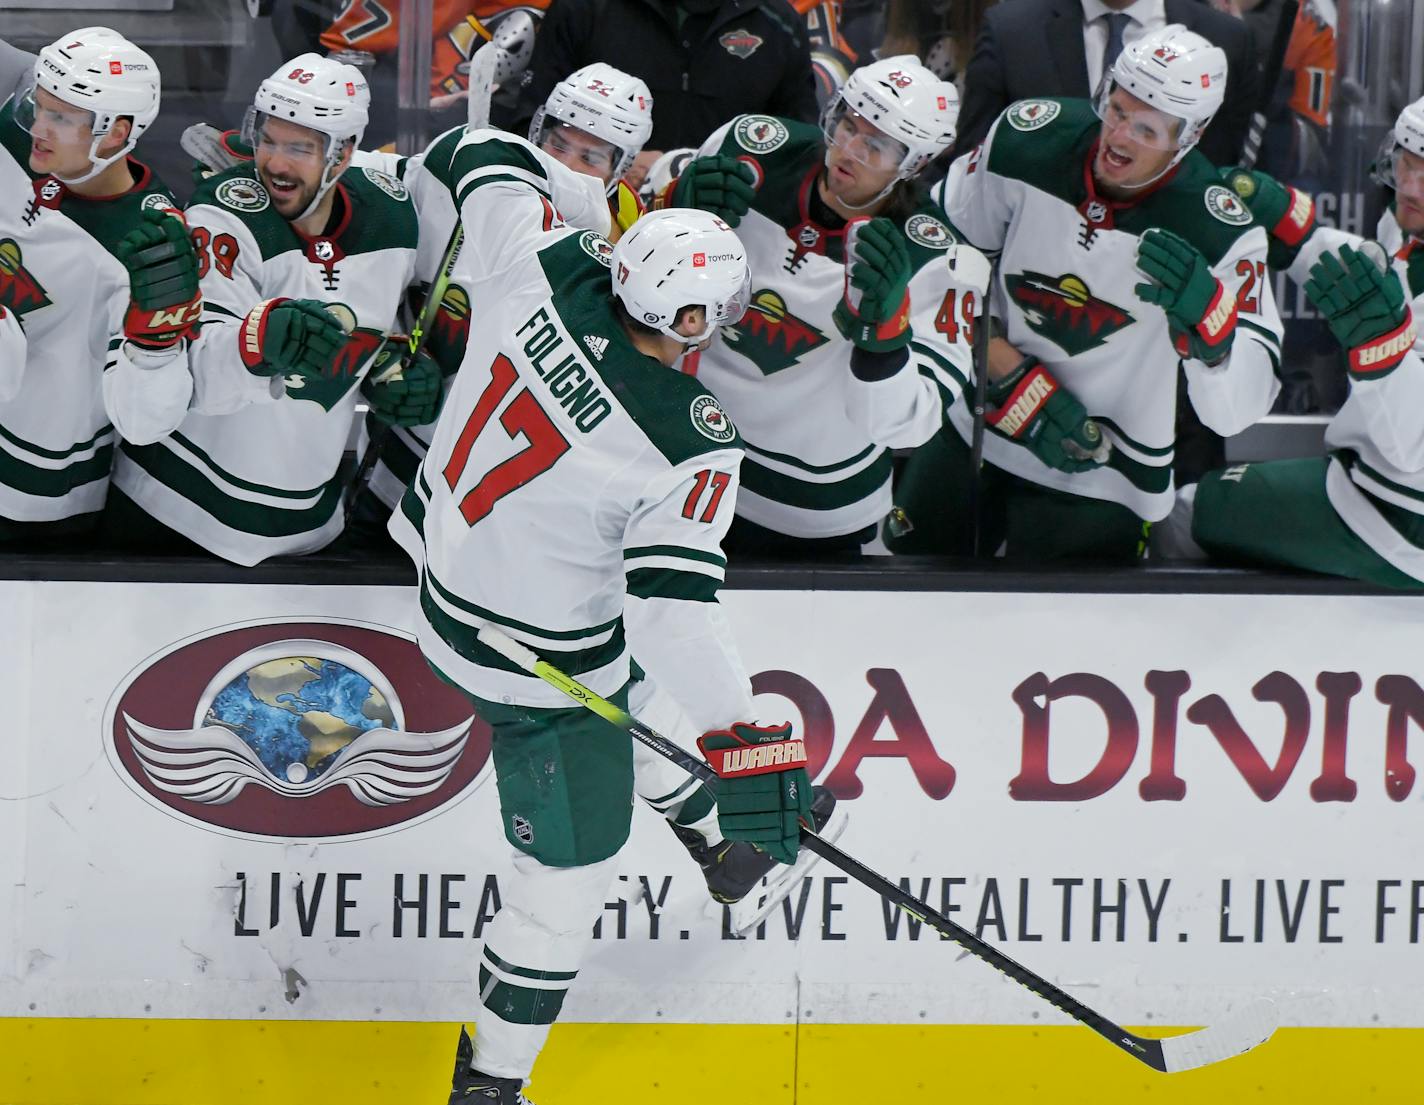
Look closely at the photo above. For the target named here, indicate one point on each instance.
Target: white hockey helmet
(678, 258)
(1179, 73)
(1406, 134)
(321, 94)
(903, 100)
(604, 102)
(98, 70)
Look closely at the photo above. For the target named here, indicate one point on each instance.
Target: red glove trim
(253, 330)
(752, 759)
(1024, 403)
(1386, 351)
(897, 323)
(1298, 221)
(1220, 318)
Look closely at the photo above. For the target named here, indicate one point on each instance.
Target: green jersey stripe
(56, 454)
(818, 469)
(54, 483)
(261, 519)
(1352, 460)
(668, 583)
(1165, 451)
(519, 1004)
(479, 612)
(944, 363)
(242, 484)
(675, 550)
(816, 496)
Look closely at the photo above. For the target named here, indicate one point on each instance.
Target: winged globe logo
(295, 730)
(1064, 311)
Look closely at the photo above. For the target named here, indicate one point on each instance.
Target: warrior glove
(874, 311)
(404, 392)
(764, 795)
(1287, 214)
(1033, 408)
(1201, 311)
(1362, 301)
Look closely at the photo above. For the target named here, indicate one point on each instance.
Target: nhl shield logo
(1096, 211)
(760, 133)
(1225, 205)
(1030, 115)
(523, 830)
(311, 730)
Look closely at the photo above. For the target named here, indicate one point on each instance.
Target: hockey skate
(470, 1087)
(734, 868)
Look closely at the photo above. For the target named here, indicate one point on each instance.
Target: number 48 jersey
(573, 481)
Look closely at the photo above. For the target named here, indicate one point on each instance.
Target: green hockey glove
(874, 311)
(722, 185)
(763, 793)
(213, 150)
(1365, 308)
(1287, 214)
(403, 393)
(1033, 408)
(1201, 311)
(281, 337)
(164, 302)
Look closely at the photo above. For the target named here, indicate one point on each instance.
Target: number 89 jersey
(570, 475)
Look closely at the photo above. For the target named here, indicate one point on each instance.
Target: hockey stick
(482, 68)
(959, 260)
(1241, 1031)
(1275, 62)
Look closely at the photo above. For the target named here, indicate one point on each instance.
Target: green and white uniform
(251, 471)
(817, 438)
(60, 279)
(1065, 293)
(573, 483)
(1358, 511)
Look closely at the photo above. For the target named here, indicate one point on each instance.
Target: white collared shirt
(1144, 16)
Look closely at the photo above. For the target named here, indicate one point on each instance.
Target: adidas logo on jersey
(596, 345)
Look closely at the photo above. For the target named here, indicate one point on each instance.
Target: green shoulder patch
(929, 232)
(1226, 205)
(1029, 115)
(242, 193)
(387, 184)
(596, 246)
(760, 133)
(157, 201)
(711, 421)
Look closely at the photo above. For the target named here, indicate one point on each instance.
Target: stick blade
(1248, 1027)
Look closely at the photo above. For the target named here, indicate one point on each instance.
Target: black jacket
(747, 56)
(1030, 48)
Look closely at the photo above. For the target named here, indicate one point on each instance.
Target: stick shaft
(1270, 76)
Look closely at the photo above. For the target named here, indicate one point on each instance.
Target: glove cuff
(1381, 356)
(253, 331)
(1028, 388)
(1218, 324)
(1296, 225)
(875, 337)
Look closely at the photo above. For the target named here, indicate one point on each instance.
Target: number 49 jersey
(572, 480)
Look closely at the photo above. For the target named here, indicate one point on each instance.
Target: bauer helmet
(678, 258)
(321, 94)
(1177, 72)
(914, 110)
(1406, 134)
(98, 70)
(604, 102)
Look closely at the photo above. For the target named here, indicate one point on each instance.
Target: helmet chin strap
(96, 166)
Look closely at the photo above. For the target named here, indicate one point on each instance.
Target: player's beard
(289, 204)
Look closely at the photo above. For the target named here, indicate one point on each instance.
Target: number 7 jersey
(573, 481)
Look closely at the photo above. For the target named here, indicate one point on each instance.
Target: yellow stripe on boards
(163, 1062)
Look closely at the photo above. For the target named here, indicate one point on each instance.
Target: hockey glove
(1287, 214)
(212, 150)
(1201, 311)
(281, 337)
(1365, 308)
(1034, 409)
(404, 393)
(764, 795)
(874, 311)
(722, 185)
(164, 302)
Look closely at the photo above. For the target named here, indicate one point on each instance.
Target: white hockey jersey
(576, 490)
(252, 470)
(60, 280)
(1065, 292)
(817, 439)
(1375, 477)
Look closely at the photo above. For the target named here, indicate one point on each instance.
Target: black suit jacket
(1032, 48)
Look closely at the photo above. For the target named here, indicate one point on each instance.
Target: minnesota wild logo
(450, 329)
(19, 290)
(1065, 312)
(361, 346)
(770, 336)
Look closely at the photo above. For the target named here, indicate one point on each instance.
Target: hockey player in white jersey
(304, 265)
(97, 278)
(575, 496)
(821, 389)
(1122, 256)
(1358, 511)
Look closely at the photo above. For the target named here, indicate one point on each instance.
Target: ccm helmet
(678, 258)
(321, 94)
(604, 102)
(99, 70)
